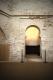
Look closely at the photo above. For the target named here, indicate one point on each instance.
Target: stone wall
(14, 28)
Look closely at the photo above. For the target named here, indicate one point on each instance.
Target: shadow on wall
(4, 48)
(4, 52)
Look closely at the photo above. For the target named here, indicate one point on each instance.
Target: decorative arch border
(39, 36)
(33, 26)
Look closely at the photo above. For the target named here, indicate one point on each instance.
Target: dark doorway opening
(32, 50)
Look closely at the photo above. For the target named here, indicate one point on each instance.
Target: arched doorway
(32, 40)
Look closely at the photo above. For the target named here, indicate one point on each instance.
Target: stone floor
(26, 71)
(32, 69)
(33, 58)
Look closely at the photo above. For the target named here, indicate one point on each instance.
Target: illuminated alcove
(32, 40)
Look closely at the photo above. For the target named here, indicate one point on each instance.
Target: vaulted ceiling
(27, 6)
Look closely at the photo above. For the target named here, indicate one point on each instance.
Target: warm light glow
(32, 33)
